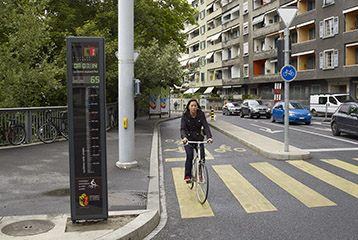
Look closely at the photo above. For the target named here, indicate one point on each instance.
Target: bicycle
(49, 131)
(14, 133)
(199, 174)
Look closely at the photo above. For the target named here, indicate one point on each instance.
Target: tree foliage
(33, 46)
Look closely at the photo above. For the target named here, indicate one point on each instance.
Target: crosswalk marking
(306, 195)
(346, 166)
(188, 203)
(332, 179)
(208, 156)
(248, 196)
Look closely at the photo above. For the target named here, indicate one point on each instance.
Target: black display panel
(87, 130)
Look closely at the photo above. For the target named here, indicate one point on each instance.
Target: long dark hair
(187, 106)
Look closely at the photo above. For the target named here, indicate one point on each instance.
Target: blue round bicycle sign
(288, 73)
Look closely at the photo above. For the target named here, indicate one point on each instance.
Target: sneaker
(187, 179)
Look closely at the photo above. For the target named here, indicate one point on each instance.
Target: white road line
(330, 149)
(317, 134)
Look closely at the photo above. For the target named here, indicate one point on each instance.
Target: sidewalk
(125, 187)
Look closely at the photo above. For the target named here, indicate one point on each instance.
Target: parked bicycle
(199, 174)
(14, 133)
(49, 131)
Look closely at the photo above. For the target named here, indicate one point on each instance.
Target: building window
(202, 14)
(202, 45)
(202, 29)
(328, 59)
(203, 77)
(352, 54)
(310, 62)
(246, 70)
(245, 8)
(328, 2)
(246, 48)
(351, 19)
(311, 33)
(315, 88)
(329, 27)
(246, 28)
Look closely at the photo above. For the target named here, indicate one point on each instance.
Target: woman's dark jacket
(191, 127)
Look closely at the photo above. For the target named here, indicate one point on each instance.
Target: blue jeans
(189, 149)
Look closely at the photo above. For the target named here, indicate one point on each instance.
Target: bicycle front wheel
(16, 135)
(202, 184)
(64, 130)
(47, 133)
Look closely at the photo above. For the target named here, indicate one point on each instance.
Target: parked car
(328, 102)
(254, 108)
(231, 108)
(345, 119)
(297, 113)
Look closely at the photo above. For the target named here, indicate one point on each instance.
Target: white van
(320, 103)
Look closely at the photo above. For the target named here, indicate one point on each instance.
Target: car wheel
(314, 113)
(250, 115)
(268, 116)
(241, 114)
(308, 123)
(335, 130)
(272, 120)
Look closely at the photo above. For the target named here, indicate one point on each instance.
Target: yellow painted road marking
(306, 195)
(346, 166)
(188, 203)
(248, 196)
(208, 156)
(330, 178)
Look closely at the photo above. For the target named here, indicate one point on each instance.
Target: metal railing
(34, 117)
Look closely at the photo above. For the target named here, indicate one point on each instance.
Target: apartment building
(233, 48)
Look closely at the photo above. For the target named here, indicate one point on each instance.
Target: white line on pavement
(330, 149)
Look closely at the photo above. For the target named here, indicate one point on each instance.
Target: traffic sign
(287, 15)
(288, 73)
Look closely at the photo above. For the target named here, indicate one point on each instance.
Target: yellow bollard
(125, 123)
(212, 114)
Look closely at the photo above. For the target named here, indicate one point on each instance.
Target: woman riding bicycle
(192, 122)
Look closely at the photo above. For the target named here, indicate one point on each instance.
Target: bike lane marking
(248, 196)
(330, 178)
(301, 192)
(189, 205)
(343, 165)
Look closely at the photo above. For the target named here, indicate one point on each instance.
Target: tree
(27, 77)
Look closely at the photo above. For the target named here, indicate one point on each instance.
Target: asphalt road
(252, 197)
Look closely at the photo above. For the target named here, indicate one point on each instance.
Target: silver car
(231, 108)
(254, 108)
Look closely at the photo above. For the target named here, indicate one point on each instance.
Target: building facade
(233, 48)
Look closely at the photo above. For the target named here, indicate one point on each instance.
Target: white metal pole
(126, 139)
(287, 90)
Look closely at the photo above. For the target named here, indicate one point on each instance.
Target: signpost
(87, 129)
(287, 15)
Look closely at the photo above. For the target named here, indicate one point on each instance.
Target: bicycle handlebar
(197, 142)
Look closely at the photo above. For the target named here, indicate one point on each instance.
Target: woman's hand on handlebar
(184, 140)
(210, 140)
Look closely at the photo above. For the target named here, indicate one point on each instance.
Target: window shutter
(335, 58)
(321, 60)
(336, 25)
(321, 29)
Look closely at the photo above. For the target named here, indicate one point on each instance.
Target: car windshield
(257, 102)
(296, 106)
(345, 98)
(236, 104)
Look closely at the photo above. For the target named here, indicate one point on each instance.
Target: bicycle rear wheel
(202, 184)
(16, 135)
(47, 133)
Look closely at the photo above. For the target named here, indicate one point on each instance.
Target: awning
(237, 86)
(352, 44)
(208, 90)
(193, 60)
(215, 37)
(258, 19)
(305, 24)
(191, 90)
(350, 10)
(209, 6)
(236, 26)
(235, 9)
(226, 86)
(272, 34)
(184, 63)
(273, 61)
(302, 53)
(226, 30)
(288, 4)
(209, 55)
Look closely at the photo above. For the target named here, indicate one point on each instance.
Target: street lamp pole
(125, 56)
